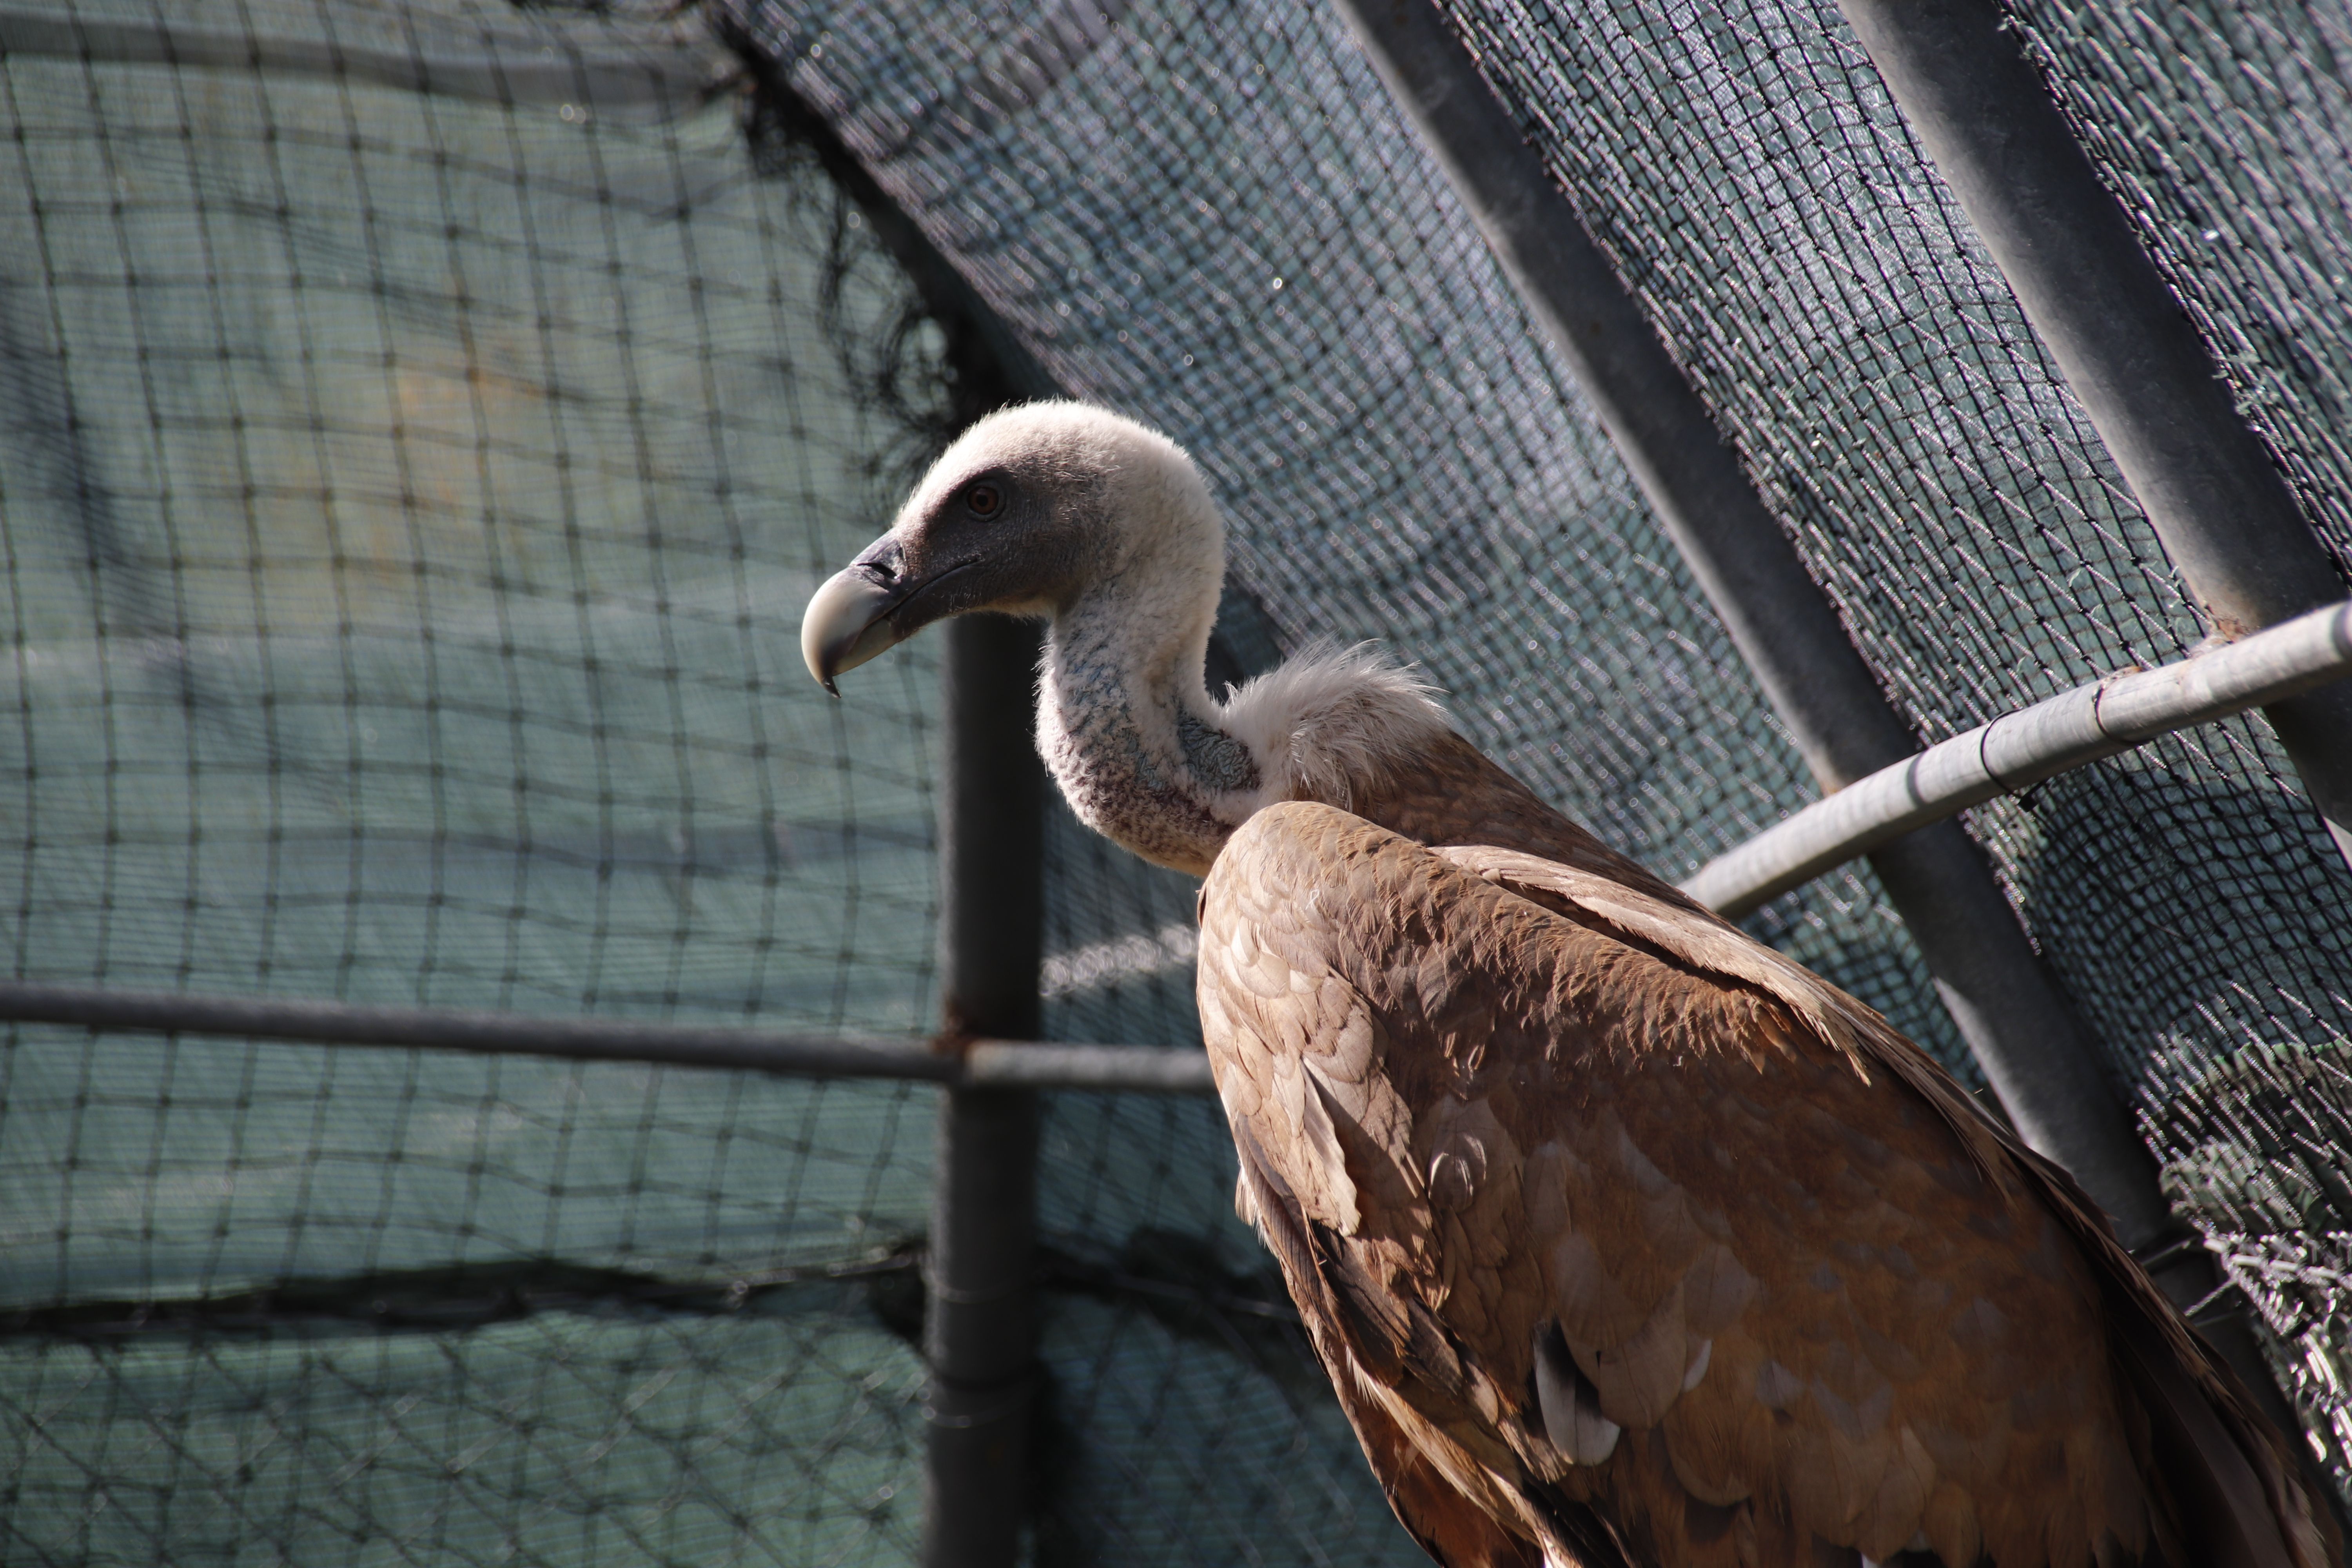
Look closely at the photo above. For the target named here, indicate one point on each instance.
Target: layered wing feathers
(1643, 1242)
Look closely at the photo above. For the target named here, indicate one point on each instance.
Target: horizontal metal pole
(2023, 748)
(1148, 1068)
(1023, 1064)
(658, 79)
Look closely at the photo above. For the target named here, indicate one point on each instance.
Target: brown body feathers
(1626, 1240)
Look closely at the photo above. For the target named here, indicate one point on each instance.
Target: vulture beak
(867, 608)
(848, 622)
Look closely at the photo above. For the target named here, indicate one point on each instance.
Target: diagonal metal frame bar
(2132, 356)
(2007, 1006)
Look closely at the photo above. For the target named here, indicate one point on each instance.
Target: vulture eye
(984, 501)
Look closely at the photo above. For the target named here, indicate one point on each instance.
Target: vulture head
(1106, 531)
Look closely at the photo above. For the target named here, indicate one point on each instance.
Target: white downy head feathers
(1129, 572)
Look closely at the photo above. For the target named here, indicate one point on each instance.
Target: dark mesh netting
(422, 431)
(424, 423)
(1217, 221)
(2227, 132)
(1752, 181)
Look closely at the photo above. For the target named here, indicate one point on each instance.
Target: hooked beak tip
(846, 622)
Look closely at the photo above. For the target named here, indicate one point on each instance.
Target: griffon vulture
(1624, 1239)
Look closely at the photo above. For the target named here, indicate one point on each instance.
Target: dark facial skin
(992, 543)
(1022, 535)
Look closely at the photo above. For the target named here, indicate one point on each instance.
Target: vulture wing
(1626, 1240)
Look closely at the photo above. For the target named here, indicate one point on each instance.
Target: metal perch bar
(1148, 1069)
(981, 1062)
(2020, 749)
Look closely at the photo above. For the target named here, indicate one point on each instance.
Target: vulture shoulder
(1626, 1240)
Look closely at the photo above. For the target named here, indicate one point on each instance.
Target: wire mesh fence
(424, 426)
(1832, 306)
(423, 429)
(423, 423)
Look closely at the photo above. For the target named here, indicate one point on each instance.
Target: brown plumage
(1504, 1120)
(1624, 1239)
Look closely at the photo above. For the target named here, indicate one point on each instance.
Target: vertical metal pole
(980, 1335)
(979, 1332)
(2130, 353)
(2005, 1003)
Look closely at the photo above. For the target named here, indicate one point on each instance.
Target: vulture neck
(1127, 726)
(1149, 759)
